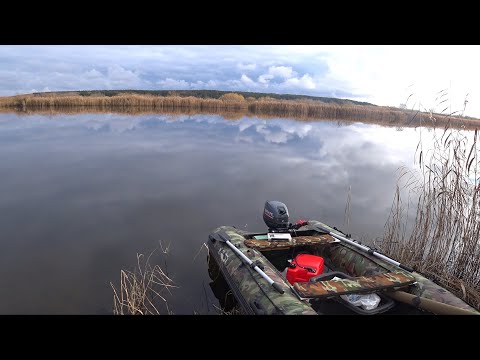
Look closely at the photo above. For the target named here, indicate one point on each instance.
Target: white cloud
(265, 78)
(119, 76)
(172, 84)
(382, 75)
(211, 84)
(275, 137)
(305, 82)
(247, 81)
(285, 72)
(386, 73)
(93, 74)
(246, 67)
(301, 130)
(245, 124)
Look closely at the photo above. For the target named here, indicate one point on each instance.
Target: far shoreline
(231, 105)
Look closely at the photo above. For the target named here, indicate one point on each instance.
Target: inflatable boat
(310, 268)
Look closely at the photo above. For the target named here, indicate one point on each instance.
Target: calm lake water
(81, 195)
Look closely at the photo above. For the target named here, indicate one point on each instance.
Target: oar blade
(405, 267)
(221, 236)
(277, 287)
(321, 229)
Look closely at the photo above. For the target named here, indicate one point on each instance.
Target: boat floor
(332, 307)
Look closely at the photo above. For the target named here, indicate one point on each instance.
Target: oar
(428, 304)
(223, 237)
(363, 247)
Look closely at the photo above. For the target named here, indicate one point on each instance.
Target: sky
(442, 78)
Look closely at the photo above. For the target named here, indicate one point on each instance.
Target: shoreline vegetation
(231, 105)
(434, 223)
(145, 289)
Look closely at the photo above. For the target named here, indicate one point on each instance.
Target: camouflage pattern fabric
(361, 284)
(265, 245)
(374, 273)
(425, 288)
(252, 288)
(349, 259)
(356, 263)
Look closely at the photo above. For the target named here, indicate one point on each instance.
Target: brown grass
(142, 291)
(442, 242)
(133, 111)
(227, 101)
(221, 311)
(231, 103)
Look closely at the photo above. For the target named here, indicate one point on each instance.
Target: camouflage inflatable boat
(315, 269)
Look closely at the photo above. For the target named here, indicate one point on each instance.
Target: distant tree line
(206, 94)
(215, 101)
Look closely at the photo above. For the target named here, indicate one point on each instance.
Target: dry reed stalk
(346, 218)
(142, 291)
(443, 242)
(234, 311)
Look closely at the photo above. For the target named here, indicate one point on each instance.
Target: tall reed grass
(142, 291)
(442, 238)
(231, 103)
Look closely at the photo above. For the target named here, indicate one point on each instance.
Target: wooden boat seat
(264, 245)
(361, 284)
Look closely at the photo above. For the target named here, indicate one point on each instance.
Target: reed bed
(228, 101)
(441, 237)
(235, 105)
(142, 291)
(132, 110)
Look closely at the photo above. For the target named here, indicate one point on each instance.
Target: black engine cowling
(275, 215)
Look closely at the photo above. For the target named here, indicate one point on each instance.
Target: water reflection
(82, 194)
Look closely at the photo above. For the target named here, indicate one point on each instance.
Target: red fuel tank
(303, 267)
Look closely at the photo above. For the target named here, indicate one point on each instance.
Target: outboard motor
(275, 215)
